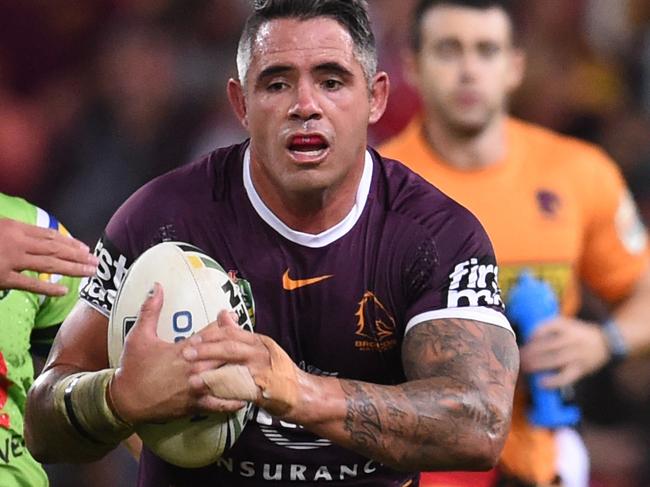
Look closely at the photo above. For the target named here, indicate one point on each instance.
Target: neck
(467, 150)
(312, 210)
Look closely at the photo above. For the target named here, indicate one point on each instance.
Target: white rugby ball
(196, 289)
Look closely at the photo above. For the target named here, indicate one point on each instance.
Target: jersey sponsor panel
(472, 293)
(100, 290)
(295, 472)
(474, 282)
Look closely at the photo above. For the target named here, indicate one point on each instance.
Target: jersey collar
(308, 239)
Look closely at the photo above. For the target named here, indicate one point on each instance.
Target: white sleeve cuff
(476, 313)
(96, 307)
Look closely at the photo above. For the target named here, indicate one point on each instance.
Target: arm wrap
(82, 400)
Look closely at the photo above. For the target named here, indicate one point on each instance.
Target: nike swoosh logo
(292, 284)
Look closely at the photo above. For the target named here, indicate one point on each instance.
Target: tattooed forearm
(362, 419)
(454, 411)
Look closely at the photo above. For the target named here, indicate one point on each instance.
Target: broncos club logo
(375, 325)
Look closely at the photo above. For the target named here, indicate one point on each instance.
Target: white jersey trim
(96, 307)
(476, 313)
(308, 239)
(42, 218)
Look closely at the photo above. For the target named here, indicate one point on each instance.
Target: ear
(378, 96)
(238, 101)
(517, 69)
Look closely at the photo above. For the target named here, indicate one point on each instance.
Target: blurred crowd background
(99, 96)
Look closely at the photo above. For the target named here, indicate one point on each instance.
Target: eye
(447, 49)
(489, 50)
(276, 86)
(332, 84)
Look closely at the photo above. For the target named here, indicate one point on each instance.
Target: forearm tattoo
(459, 396)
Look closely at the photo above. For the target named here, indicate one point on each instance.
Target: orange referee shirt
(557, 206)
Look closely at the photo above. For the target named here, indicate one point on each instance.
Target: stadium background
(98, 96)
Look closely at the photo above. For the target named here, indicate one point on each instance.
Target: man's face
(306, 105)
(466, 66)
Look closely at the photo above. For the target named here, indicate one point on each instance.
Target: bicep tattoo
(459, 349)
(461, 376)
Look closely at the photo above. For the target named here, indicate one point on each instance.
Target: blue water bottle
(532, 301)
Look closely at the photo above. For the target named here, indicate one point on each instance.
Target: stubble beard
(466, 127)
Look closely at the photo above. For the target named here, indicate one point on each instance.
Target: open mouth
(308, 146)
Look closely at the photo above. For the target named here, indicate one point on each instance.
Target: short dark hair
(351, 14)
(423, 6)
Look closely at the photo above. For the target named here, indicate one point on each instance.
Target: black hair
(423, 6)
(351, 14)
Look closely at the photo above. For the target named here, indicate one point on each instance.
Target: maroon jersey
(339, 303)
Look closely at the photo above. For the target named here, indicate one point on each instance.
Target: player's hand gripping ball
(196, 288)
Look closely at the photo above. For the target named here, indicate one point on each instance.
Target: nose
(306, 105)
(469, 66)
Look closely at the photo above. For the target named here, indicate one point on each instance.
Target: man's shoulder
(400, 180)
(181, 195)
(205, 171)
(411, 196)
(22, 210)
(547, 146)
(17, 209)
(194, 183)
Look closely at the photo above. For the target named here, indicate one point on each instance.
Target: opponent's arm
(24, 246)
(453, 412)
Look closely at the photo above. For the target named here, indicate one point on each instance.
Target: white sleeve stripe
(476, 313)
(42, 218)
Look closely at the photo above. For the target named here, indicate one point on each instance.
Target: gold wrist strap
(83, 400)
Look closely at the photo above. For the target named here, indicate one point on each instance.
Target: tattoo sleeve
(454, 411)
